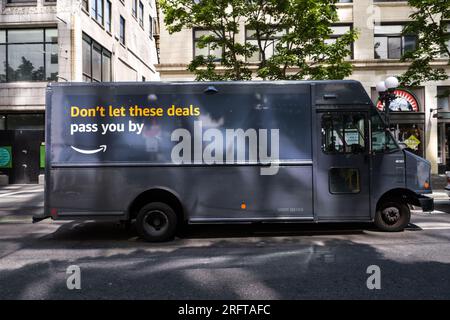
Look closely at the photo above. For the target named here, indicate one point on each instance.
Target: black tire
(392, 216)
(156, 222)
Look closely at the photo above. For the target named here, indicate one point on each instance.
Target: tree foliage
(300, 26)
(429, 23)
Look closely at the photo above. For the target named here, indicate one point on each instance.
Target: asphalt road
(216, 262)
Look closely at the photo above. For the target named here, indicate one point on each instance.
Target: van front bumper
(426, 203)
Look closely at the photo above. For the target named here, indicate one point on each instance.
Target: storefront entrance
(22, 155)
(444, 145)
(407, 118)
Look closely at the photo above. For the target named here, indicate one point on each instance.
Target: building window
(108, 16)
(96, 61)
(210, 49)
(85, 4)
(338, 31)
(25, 121)
(22, 1)
(134, 8)
(269, 44)
(2, 55)
(443, 99)
(122, 30)
(391, 44)
(97, 10)
(445, 55)
(150, 26)
(28, 55)
(141, 14)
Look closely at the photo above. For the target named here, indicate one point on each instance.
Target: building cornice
(357, 64)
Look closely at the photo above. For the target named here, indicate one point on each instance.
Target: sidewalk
(438, 183)
(18, 203)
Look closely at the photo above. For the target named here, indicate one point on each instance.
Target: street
(219, 262)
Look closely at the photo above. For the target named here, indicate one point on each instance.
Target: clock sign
(404, 101)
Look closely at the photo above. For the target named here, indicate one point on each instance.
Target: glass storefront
(443, 115)
(411, 136)
(407, 118)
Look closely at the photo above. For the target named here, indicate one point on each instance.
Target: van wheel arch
(156, 195)
(405, 196)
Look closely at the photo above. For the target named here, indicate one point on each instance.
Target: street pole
(386, 90)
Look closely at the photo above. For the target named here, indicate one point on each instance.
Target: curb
(16, 219)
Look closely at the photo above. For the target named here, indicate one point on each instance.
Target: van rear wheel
(156, 222)
(392, 216)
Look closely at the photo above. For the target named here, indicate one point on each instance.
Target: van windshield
(382, 140)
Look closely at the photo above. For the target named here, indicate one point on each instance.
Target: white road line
(17, 192)
(433, 225)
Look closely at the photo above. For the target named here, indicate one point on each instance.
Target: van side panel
(99, 173)
(207, 193)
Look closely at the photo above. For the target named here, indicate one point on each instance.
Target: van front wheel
(392, 216)
(156, 222)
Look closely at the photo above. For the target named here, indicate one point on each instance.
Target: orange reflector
(243, 206)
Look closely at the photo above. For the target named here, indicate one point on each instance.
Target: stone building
(44, 41)
(424, 122)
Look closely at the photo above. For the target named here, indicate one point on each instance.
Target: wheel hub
(391, 215)
(155, 221)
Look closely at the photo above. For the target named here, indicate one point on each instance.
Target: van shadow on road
(98, 231)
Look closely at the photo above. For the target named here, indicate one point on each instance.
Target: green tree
(430, 23)
(302, 28)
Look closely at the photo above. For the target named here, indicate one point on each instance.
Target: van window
(382, 140)
(343, 133)
(344, 180)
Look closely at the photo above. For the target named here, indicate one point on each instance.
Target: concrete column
(364, 16)
(68, 12)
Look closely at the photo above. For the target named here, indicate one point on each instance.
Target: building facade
(422, 118)
(44, 41)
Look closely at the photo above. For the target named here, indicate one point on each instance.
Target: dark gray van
(163, 154)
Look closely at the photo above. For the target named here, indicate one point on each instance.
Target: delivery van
(164, 154)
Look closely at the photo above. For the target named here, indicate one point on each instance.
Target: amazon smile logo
(102, 148)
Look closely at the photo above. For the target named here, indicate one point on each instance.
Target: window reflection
(29, 55)
(382, 140)
(343, 133)
(25, 62)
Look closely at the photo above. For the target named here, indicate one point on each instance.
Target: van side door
(341, 166)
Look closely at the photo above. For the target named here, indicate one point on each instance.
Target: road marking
(433, 225)
(18, 192)
(10, 194)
